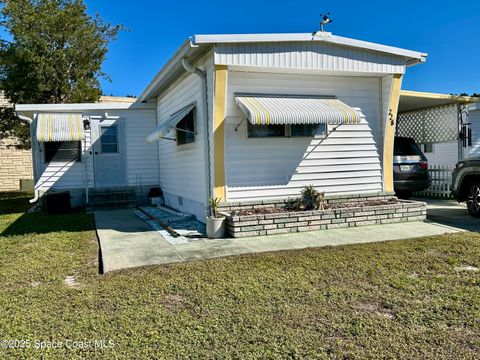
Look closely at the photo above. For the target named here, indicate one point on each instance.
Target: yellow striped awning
(293, 109)
(60, 127)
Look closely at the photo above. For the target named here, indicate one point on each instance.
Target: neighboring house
(440, 124)
(15, 164)
(238, 117)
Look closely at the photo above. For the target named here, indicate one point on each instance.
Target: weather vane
(325, 20)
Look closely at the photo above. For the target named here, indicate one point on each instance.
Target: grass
(403, 299)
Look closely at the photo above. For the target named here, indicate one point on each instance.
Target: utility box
(58, 202)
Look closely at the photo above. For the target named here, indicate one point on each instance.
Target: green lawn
(403, 299)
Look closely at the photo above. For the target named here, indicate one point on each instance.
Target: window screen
(308, 130)
(109, 139)
(186, 129)
(62, 151)
(260, 131)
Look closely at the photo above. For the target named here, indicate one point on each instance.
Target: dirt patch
(171, 302)
(284, 209)
(373, 308)
(467, 268)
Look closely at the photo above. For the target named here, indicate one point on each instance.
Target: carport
(439, 124)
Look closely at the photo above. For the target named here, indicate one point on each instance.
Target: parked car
(410, 168)
(466, 184)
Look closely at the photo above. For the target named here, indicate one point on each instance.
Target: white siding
(182, 168)
(474, 119)
(346, 161)
(443, 153)
(64, 175)
(308, 56)
(141, 158)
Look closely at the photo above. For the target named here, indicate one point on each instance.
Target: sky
(449, 31)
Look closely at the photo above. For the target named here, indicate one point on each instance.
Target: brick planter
(278, 223)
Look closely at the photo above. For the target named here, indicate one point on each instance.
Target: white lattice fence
(441, 176)
(432, 125)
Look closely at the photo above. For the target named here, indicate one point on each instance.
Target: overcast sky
(449, 31)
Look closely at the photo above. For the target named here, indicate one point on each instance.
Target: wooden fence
(441, 176)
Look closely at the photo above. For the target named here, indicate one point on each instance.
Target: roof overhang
(412, 56)
(416, 100)
(23, 108)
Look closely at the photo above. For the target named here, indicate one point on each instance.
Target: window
(62, 151)
(294, 130)
(427, 148)
(186, 129)
(308, 130)
(109, 139)
(260, 131)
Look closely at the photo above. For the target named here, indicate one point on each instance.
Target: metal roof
(196, 46)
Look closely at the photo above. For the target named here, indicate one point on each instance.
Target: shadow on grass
(14, 202)
(39, 222)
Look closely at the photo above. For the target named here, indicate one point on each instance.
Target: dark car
(466, 184)
(410, 168)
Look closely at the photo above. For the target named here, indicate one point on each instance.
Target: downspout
(30, 122)
(208, 181)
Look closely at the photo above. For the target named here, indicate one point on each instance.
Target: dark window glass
(259, 131)
(62, 151)
(109, 139)
(406, 147)
(186, 129)
(308, 130)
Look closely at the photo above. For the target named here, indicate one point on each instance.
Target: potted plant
(215, 222)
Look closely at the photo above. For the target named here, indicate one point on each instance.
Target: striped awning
(168, 125)
(59, 127)
(288, 109)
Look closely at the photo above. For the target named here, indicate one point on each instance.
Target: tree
(52, 52)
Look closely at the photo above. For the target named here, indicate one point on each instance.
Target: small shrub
(310, 199)
(313, 199)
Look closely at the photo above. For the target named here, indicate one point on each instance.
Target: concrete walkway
(127, 241)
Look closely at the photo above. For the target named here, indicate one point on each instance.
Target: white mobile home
(253, 117)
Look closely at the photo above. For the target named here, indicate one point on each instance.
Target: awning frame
(166, 126)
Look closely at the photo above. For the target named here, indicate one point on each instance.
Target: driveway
(451, 213)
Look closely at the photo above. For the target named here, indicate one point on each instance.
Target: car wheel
(473, 199)
(404, 194)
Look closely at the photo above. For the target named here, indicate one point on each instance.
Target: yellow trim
(389, 137)
(220, 89)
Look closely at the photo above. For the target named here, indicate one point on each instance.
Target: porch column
(220, 88)
(389, 132)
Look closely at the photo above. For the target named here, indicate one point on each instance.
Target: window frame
(287, 132)
(115, 125)
(193, 113)
(77, 159)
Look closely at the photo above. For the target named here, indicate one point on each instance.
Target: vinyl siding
(182, 168)
(141, 158)
(346, 161)
(443, 153)
(308, 56)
